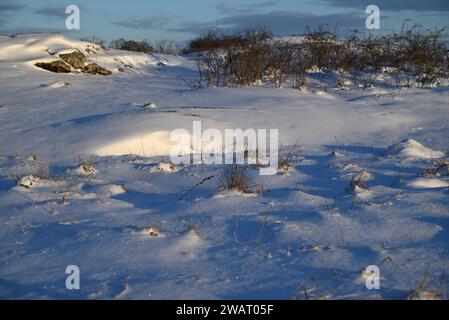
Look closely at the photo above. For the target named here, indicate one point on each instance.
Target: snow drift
(413, 149)
(46, 48)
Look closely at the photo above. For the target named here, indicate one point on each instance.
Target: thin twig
(196, 185)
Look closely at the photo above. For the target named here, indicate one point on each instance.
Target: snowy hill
(32, 48)
(85, 180)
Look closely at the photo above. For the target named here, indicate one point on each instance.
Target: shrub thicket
(131, 45)
(411, 57)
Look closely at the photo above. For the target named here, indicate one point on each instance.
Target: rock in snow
(93, 68)
(75, 59)
(57, 66)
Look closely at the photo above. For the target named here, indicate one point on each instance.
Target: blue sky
(182, 20)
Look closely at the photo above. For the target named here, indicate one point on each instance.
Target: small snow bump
(428, 183)
(151, 105)
(412, 149)
(29, 182)
(166, 167)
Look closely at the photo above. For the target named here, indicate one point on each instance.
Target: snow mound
(110, 190)
(151, 105)
(412, 149)
(157, 143)
(29, 182)
(428, 183)
(58, 84)
(324, 94)
(167, 167)
(31, 47)
(359, 181)
(86, 170)
(352, 167)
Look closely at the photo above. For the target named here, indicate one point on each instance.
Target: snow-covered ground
(84, 181)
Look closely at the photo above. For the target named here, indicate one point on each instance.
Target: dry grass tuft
(438, 168)
(235, 177)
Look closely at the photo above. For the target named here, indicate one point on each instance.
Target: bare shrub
(419, 55)
(233, 59)
(281, 61)
(286, 158)
(249, 59)
(320, 48)
(427, 53)
(357, 60)
(214, 40)
(303, 64)
(411, 57)
(166, 47)
(212, 67)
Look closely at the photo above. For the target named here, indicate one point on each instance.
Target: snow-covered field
(84, 181)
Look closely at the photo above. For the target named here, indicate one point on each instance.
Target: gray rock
(74, 62)
(76, 59)
(93, 68)
(57, 66)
